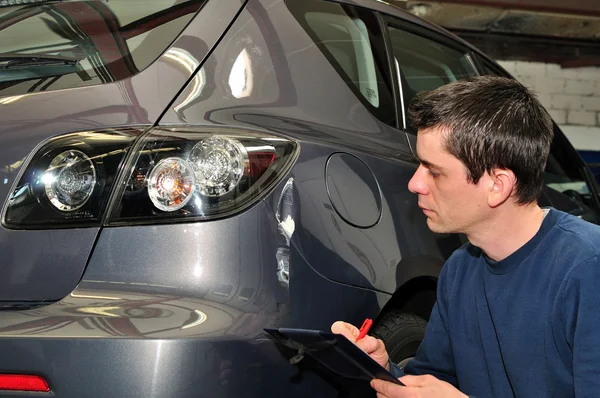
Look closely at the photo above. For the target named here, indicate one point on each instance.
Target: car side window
(423, 64)
(487, 68)
(566, 185)
(352, 41)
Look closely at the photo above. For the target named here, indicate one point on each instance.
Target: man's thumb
(340, 327)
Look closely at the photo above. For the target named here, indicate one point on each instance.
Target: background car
(179, 175)
(592, 158)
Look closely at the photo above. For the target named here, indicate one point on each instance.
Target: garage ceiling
(581, 7)
(555, 31)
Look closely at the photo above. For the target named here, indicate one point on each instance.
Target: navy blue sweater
(527, 326)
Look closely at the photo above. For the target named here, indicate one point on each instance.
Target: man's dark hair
(491, 122)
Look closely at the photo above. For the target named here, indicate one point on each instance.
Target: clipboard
(333, 351)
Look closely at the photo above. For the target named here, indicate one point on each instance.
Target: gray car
(177, 176)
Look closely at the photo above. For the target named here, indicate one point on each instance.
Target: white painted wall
(572, 97)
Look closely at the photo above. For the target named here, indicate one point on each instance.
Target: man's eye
(434, 174)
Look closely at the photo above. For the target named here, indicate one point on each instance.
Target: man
(518, 307)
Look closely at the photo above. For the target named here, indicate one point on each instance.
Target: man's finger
(367, 344)
(388, 389)
(345, 329)
(372, 346)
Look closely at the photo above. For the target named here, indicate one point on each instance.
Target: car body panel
(282, 73)
(279, 91)
(190, 258)
(31, 258)
(382, 257)
(132, 323)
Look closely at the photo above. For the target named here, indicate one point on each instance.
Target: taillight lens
(163, 175)
(68, 180)
(199, 173)
(171, 184)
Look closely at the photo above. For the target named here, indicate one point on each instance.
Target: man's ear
(503, 183)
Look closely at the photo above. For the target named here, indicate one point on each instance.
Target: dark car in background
(177, 176)
(592, 158)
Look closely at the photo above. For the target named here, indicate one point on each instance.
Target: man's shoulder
(573, 232)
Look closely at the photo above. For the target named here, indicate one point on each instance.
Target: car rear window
(351, 40)
(54, 45)
(424, 64)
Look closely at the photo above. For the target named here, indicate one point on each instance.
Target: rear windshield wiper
(11, 3)
(19, 61)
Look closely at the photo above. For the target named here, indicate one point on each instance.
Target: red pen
(364, 328)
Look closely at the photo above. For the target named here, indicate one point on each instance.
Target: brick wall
(572, 97)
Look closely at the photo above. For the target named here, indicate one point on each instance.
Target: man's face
(451, 203)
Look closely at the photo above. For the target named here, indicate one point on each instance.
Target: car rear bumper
(105, 344)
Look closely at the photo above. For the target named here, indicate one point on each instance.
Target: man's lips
(425, 209)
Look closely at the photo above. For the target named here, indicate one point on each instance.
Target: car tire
(402, 334)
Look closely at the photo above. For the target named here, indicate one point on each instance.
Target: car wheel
(402, 334)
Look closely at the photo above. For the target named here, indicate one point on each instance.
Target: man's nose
(417, 183)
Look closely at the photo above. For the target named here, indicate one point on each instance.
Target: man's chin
(437, 228)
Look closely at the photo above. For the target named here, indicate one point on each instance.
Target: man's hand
(369, 344)
(424, 386)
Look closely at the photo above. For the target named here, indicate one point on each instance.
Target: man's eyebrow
(429, 165)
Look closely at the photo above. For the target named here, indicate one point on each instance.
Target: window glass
(566, 185)
(488, 68)
(592, 158)
(352, 41)
(423, 64)
(68, 44)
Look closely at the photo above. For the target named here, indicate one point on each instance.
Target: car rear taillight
(68, 180)
(163, 175)
(199, 173)
(20, 382)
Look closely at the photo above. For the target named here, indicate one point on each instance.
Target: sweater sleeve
(434, 355)
(395, 370)
(581, 302)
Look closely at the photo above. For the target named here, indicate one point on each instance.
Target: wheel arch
(416, 292)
